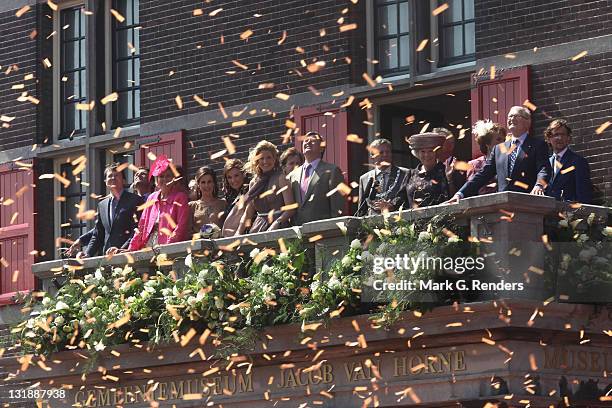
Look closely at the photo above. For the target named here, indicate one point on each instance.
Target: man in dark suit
(313, 181)
(384, 187)
(571, 177)
(520, 164)
(117, 216)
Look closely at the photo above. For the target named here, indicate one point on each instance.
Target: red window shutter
(16, 229)
(493, 98)
(170, 144)
(332, 125)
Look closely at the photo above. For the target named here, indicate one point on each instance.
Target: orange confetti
(246, 34)
(117, 15)
(569, 169)
(215, 12)
(579, 55)
(488, 341)
(529, 105)
(440, 9)
(283, 38)
(239, 64)
(110, 98)
(282, 96)
(354, 138)
(348, 27)
(22, 11)
(602, 127)
(201, 101)
(198, 12)
(521, 185)
(369, 80)
(179, 101)
(315, 238)
(422, 45)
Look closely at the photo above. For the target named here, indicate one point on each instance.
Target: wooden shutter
(332, 125)
(493, 98)
(170, 144)
(16, 229)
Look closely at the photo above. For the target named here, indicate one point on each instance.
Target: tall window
(400, 26)
(73, 72)
(126, 62)
(72, 197)
(392, 23)
(456, 30)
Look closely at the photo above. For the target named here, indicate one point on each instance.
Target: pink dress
(475, 166)
(163, 222)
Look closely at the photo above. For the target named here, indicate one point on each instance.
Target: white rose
(283, 257)
(583, 238)
(189, 261)
(424, 236)
(191, 301)
(59, 320)
(61, 306)
(130, 300)
(334, 282)
(145, 295)
(452, 239)
(98, 274)
(563, 224)
(166, 291)
(254, 252)
(355, 244)
(46, 301)
(266, 269)
(346, 261)
(314, 286)
(607, 232)
(99, 346)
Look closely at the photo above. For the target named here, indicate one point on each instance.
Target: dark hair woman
(207, 211)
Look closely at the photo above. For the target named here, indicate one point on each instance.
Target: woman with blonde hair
(487, 135)
(269, 193)
(235, 186)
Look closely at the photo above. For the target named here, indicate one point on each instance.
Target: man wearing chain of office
(383, 187)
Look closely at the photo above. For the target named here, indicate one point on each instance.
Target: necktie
(556, 168)
(513, 155)
(305, 180)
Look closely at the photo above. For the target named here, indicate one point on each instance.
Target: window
(116, 57)
(456, 28)
(126, 63)
(400, 26)
(72, 202)
(73, 72)
(392, 36)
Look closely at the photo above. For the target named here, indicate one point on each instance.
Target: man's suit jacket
(116, 232)
(531, 165)
(315, 205)
(574, 185)
(396, 188)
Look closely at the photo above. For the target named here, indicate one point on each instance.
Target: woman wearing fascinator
(166, 217)
(487, 135)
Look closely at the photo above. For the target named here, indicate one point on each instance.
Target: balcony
(538, 346)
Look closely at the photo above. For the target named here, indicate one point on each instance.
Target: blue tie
(513, 155)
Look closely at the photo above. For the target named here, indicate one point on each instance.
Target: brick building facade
(271, 70)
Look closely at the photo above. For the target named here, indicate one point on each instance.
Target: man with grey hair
(382, 188)
(520, 164)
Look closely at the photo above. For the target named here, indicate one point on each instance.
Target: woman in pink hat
(166, 216)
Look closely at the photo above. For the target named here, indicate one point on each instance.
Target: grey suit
(315, 205)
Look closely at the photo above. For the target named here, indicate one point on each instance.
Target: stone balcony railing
(483, 214)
